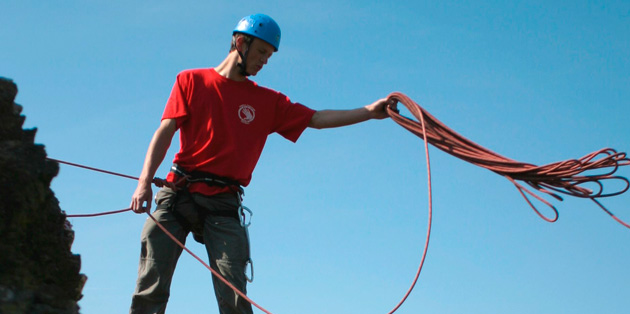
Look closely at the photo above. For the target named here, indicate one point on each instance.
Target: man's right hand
(141, 200)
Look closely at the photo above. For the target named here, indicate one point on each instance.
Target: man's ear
(241, 43)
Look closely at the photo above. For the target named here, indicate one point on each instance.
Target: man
(224, 119)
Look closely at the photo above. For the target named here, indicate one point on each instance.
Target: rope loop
(567, 177)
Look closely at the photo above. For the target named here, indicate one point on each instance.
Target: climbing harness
(207, 178)
(243, 213)
(566, 177)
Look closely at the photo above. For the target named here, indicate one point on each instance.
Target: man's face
(258, 55)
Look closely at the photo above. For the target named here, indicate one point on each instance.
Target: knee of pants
(227, 247)
(232, 268)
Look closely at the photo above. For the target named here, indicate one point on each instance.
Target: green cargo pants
(225, 240)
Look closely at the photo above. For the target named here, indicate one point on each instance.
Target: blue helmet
(260, 26)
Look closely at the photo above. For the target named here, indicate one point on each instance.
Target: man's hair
(248, 40)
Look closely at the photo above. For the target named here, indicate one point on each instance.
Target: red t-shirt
(224, 124)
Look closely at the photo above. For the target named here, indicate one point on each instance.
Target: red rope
(170, 235)
(160, 182)
(214, 272)
(157, 181)
(426, 244)
(560, 177)
(99, 214)
(563, 177)
(94, 169)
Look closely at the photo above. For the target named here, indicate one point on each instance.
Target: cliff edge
(38, 272)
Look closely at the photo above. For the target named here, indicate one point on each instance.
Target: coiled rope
(564, 177)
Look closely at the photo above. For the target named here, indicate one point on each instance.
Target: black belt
(207, 178)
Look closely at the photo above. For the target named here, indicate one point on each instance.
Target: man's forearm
(336, 118)
(160, 143)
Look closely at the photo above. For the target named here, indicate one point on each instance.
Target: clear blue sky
(340, 217)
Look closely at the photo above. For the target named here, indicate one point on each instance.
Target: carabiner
(243, 217)
(251, 268)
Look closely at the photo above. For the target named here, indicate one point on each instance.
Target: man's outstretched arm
(324, 119)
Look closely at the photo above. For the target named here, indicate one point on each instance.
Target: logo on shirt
(246, 113)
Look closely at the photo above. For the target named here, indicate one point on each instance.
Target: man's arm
(336, 118)
(155, 155)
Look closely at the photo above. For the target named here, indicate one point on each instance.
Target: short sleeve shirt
(224, 124)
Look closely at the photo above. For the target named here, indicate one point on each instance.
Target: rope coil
(563, 177)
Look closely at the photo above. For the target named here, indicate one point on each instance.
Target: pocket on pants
(165, 197)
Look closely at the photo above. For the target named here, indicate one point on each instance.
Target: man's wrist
(145, 181)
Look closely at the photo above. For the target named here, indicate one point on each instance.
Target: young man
(224, 119)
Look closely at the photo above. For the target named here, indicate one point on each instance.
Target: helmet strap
(242, 66)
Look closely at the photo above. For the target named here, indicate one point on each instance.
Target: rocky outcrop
(38, 272)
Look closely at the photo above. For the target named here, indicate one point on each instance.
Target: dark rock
(38, 272)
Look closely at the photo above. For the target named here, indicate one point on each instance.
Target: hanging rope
(161, 182)
(157, 181)
(430, 219)
(214, 272)
(99, 214)
(564, 177)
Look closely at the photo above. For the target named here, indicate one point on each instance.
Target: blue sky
(340, 217)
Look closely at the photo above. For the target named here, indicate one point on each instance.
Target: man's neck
(229, 67)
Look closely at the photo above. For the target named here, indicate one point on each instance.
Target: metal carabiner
(251, 269)
(245, 219)
(242, 209)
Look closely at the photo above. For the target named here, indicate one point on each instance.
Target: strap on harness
(207, 178)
